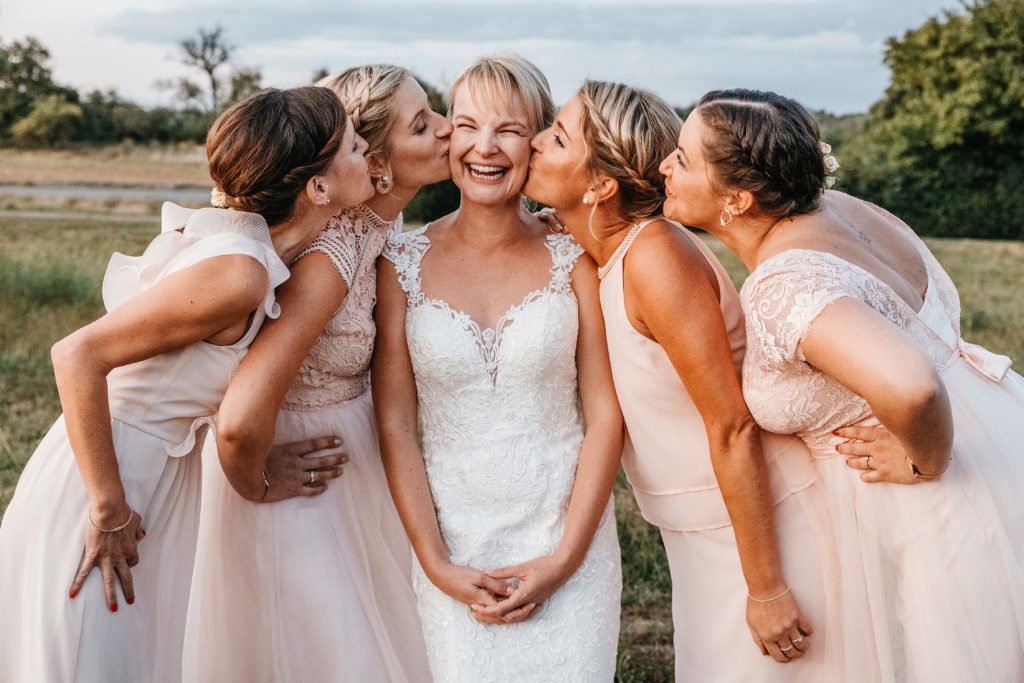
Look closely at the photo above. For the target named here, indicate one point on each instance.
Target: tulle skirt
(932, 586)
(307, 589)
(45, 635)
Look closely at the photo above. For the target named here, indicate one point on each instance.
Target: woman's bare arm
(246, 421)
(665, 270)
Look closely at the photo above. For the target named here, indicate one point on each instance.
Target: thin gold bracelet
(769, 599)
(131, 516)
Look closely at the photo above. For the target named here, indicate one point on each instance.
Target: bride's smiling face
(490, 147)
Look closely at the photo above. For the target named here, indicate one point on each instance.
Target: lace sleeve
(786, 294)
(340, 245)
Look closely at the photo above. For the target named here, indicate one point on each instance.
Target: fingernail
(72, 594)
(143, 532)
(837, 448)
(113, 608)
(131, 601)
(835, 432)
(474, 608)
(337, 442)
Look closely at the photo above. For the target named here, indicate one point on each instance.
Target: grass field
(50, 272)
(128, 165)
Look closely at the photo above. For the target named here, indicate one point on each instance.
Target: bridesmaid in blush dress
(319, 588)
(138, 388)
(736, 507)
(851, 325)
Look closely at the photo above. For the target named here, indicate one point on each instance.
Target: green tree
(944, 148)
(244, 82)
(51, 122)
(24, 77)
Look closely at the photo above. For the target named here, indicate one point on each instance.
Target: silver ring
(786, 649)
(312, 477)
(867, 463)
(797, 640)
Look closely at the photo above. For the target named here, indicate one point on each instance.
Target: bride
(507, 503)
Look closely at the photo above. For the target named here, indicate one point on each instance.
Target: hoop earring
(384, 185)
(725, 218)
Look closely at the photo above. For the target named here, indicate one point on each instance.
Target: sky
(825, 53)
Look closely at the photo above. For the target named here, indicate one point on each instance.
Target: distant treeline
(943, 149)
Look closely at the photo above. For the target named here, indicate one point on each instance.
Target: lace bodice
(501, 427)
(781, 299)
(502, 433)
(337, 367)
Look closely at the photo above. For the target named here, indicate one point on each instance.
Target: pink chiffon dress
(932, 574)
(159, 410)
(313, 589)
(668, 464)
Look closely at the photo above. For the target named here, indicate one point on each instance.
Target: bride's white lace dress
(502, 432)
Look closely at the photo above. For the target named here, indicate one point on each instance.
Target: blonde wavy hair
(499, 78)
(368, 93)
(628, 132)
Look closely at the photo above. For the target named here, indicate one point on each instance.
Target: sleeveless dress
(667, 461)
(159, 410)
(502, 432)
(313, 589)
(932, 586)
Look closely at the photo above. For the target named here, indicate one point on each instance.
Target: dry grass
(50, 272)
(128, 165)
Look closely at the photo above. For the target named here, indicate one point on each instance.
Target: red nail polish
(835, 432)
(131, 601)
(113, 608)
(837, 448)
(72, 594)
(143, 532)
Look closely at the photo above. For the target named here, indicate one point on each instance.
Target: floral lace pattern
(783, 297)
(501, 438)
(337, 367)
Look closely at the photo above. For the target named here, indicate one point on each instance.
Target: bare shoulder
(664, 253)
(238, 278)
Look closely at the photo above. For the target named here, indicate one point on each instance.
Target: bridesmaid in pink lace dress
(851, 321)
(318, 588)
(138, 388)
(696, 462)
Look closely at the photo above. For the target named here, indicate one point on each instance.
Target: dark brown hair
(264, 149)
(766, 144)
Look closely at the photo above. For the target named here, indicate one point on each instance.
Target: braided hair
(368, 93)
(263, 150)
(628, 132)
(766, 144)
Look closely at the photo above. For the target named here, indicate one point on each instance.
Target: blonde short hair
(628, 132)
(368, 93)
(502, 77)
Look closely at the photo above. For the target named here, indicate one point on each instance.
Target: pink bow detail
(992, 365)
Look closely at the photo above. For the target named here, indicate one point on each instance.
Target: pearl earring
(586, 199)
(384, 184)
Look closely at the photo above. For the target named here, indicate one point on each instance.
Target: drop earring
(384, 184)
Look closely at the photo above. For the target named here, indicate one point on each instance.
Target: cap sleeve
(786, 294)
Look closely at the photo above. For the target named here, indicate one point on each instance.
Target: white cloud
(825, 52)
